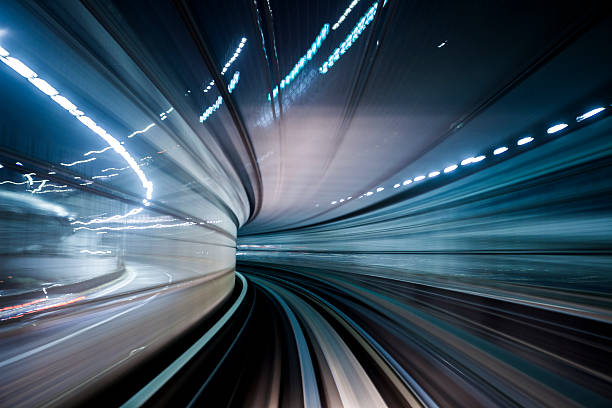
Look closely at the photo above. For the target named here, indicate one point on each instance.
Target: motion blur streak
(312, 204)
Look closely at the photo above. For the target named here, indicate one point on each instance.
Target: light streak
(350, 39)
(138, 132)
(68, 302)
(345, 14)
(97, 151)
(78, 162)
(87, 251)
(28, 73)
(589, 114)
(113, 168)
(228, 63)
(500, 150)
(211, 109)
(556, 128)
(314, 48)
(135, 227)
(450, 168)
(134, 211)
(105, 176)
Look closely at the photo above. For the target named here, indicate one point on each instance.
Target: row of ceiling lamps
(470, 160)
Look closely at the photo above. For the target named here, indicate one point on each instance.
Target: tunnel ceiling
(309, 105)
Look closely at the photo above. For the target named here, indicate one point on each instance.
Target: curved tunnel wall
(410, 222)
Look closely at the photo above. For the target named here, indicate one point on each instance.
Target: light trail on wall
(213, 108)
(345, 14)
(136, 227)
(297, 68)
(228, 63)
(350, 39)
(78, 162)
(109, 219)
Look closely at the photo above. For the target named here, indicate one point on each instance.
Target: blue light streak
(213, 108)
(350, 39)
(297, 68)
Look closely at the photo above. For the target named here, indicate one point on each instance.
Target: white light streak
(105, 176)
(556, 128)
(589, 114)
(19, 67)
(113, 168)
(228, 63)
(87, 251)
(369, 193)
(97, 151)
(43, 86)
(29, 177)
(345, 14)
(478, 158)
(419, 178)
(13, 182)
(450, 168)
(136, 227)
(109, 219)
(138, 132)
(433, 174)
(406, 182)
(78, 162)
(37, 189)
(379, 189)
(524, 140)
(396, 185)
(500, 150)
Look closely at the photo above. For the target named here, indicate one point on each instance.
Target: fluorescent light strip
(97, 151)
(297, 68)
(524, 140)
(134, 227)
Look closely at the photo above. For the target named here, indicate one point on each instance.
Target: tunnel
(318, 204)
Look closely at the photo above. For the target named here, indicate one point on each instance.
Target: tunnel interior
(281, 203)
